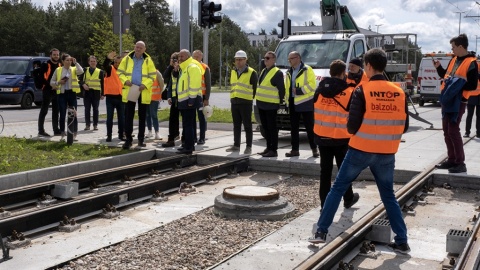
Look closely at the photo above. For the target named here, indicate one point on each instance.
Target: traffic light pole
(184, 24)
(120, 25)
(205, 45)
(285, 18)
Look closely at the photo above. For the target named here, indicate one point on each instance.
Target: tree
(262, 32)
(274, 31)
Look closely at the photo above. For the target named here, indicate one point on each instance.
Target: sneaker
(87, 127)
(402, 248)
(318, 238)
(201, 142)
(109, 139)
(315, 153)
(270, 153)
(141, 143)
(460, 168)
(445, 165)
(157, 136)
(248, 150)
(233, 148)
(75, 137)
(127, 145)
(168, 144)
(95, 127)
(348, 204)
(149, 135)
(293, 153)
(467, 135)
(43, 134)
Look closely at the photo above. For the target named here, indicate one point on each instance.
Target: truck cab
(428, 80)
(17, 83)
(318, 51)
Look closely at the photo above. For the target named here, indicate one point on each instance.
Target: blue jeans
(68, 99)
(115, 103)
(152, 115)
(382, 167)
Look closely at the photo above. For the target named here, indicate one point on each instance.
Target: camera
(175, 60)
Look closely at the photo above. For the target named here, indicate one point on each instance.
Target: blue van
(17, 83)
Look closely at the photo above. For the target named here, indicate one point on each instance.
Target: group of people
(125, 81)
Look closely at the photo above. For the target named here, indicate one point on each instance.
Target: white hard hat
(207, 111)
(240, 54)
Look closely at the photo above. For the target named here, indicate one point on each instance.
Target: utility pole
(378, 25)
(285, 18)
(459, 19)
(184, 25)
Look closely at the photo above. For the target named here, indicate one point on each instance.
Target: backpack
(37, 74)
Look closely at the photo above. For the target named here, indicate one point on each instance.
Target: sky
(434, 21)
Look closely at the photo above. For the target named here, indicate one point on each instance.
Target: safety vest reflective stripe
(461, 72)
(125, 71)
(330, 124)
(112, 84)
(240, 86)
(308, 91)
(330, 117)
(266, 92)
(93, 80)
(75, 85)
(189, 92)
(174, 86)
(384, 119)
(156, 90)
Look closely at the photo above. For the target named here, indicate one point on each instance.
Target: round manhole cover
(251, 193)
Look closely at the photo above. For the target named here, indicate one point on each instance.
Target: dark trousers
(68, 99)
(113, 104)
(453, 138)
(188, 125)
(173, 122)
(91, 101)
(202, 122)
(468, 123)
(242, 114)
(327, 154)
(268, 118)
(129, 115)
(295, 126)
(49, 96)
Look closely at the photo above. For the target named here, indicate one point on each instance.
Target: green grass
(219, 115)
(18, 155)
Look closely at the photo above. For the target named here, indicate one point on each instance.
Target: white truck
(428, 81)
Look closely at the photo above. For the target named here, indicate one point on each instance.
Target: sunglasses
(267, 57)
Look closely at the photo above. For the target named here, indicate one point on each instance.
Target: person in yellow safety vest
(170, 76)
(92, 84)
(300, 84)
(112, 91)
(243, 87)
(206, 88)
(377, 118)
(270, 93)
(472, 104)
(356, 75)
(461, 68)
(137, 72)
(65, 80)
(189, 90)
(152, 111)
(332, 99)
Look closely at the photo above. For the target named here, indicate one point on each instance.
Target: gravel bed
(200, 240)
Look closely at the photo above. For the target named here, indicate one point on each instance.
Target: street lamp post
(378, 25)
(459, 19)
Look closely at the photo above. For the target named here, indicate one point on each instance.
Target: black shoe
(460, 168)
(348, 204)
(109, 139)
(315, 153)
(141, 144)
(122, 138)
(445, 165)
(57, 133)
(467, 135)
(293, 153)
(318, 238)
(263, 152)
(270, 153)
(43, 134)
(402, 248)
(168, 144)
(201, 142)
(127, 145)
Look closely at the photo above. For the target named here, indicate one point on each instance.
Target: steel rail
(50, 216)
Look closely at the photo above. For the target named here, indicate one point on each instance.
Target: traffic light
(206, 13)
(289, 28)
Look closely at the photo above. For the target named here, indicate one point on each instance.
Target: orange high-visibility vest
(364, 79)
(461, 72)
(330, 117)
(156, 90)
(384, 119)
(112, 84)
(204, 86)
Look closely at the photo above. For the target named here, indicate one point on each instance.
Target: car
(17, 86)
